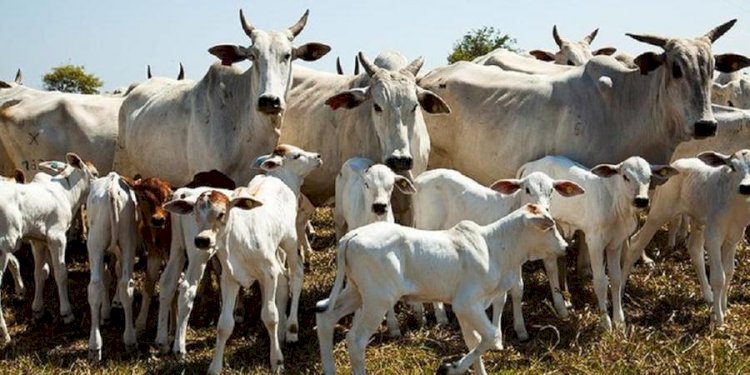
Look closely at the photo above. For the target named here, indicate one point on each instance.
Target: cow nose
(745, 189)
(269, 104)
(202, 242)
(379, 208)
(640, 202)
(400, 163)
(705, 128)
(158, 222)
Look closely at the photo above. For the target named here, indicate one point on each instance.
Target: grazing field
(669, 328)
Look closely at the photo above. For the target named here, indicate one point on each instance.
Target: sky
(115, 40)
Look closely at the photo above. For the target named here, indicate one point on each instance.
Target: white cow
(222, 121)
(712, 189)
(732, 89)
(41, 212)
(246, 241)
(10, 260)
(572, 53)
(446, 197)
(467, 266)
(606, 214)
(112, 221)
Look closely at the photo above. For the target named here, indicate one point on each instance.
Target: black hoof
(443, 369)
(37, 316)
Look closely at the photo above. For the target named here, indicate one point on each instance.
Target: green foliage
(71, 78)
(480, 41)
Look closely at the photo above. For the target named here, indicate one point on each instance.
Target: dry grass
(668, 331)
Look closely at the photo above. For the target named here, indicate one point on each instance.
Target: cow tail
(114, 218)
(338, 283)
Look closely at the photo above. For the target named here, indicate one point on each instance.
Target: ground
(668, 331)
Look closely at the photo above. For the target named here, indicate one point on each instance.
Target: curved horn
(367, 65)
(649, 39)
(414, 66)
(297, 27)
(590, 38)
(181, 74)
(356, 66)
(245, 25)
(148, 72)
(339, 70)
(555, 35)
(19, 77)
(718, 31)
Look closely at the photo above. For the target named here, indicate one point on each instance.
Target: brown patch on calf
(152, 193)
(534, 209)
(216, 197)
(281, 149)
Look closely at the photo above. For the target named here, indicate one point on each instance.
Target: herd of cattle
(583, 145)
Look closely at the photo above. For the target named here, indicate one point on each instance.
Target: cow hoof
(68, 318)
(522, 337)
(37, 316)
(444, 369)
(563, 313)
(162, 348)
(396, 333)
(291, 338)
(279, 369)
(239, 319)
(606, 323)
(180, 356)
(649, 263)
(95, 355)
(131, 348)
(117, 305)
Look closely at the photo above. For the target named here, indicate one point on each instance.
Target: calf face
(636, 176)
(152, 193)
(537, 188)
(739, 167)
(541, 236)
(295, 160)
(379, 181)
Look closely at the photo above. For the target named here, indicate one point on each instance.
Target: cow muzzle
(379, 208)
(745, 189)
(705, 129)
(202, 243)
(270, 104)
(400, 163)
(640, 202)
(158, 222)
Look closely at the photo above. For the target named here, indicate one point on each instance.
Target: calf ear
(431, 102)
(405, 186)
(568, 188)
(544, 223)
(179, 206)
(228, 53)
(605, 170)
(661, 173)
(268, 164)
(608, 51)
(311, 51)
(648, 61)
(730, 62)
(52, 167)
(245, 202)
(713, 158)
(542, 55)
(507, 187)
(19, 176)
(74, 160)
(348, 99)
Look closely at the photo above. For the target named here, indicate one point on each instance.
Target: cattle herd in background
(582, 144)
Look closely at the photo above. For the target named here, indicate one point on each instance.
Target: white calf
(606, 214)
(713, 190)
(363, 196)
(112, 222)
(445, 197)
(467, 266)
(7, 259)
(248, 239)
(41, 212)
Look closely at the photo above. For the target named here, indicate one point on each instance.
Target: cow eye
(297, 156)
(251, 57)
(415, 107)
(676, 71)
(221, 216)
(570, 63)
(527, 191)
(624, 177)
(287, 56)
(367, 186)
(376, 107)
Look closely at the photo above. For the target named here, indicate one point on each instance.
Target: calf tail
(338, 283)
(114, 216)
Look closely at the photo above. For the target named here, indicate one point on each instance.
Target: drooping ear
(730, 62)
(542, 55)
(661, 174)
(245, 202)
(605, 170)
(272, 163)
(19, 176)
(568, 188)
(713, 158)
(179, 206)
(608, 51)
(538, 218)
(508, 186)
(311, 51)
(431, 102)
(228, 53)
(648, 62)
(405, 186)
(348, 99)
(75, 160)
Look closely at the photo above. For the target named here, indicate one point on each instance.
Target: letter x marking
(32, 138)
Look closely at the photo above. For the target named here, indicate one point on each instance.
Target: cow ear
(228, 53)
(245, 202)
(568, 188)
(19, 176)
(431, 102)
(405, 186)
(271, 163)
(507, 187)
(661, 174)
(607, 51)
(713, 158)
(348, 99)
(542, 55)
(605, 170)
(4, 85)
(179, 206)
(648, 61)
(74, 160)
(730, 62)
(311, 51)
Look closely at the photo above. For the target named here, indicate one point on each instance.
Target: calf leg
(3, 326)
(196, 266)
(15, 270)
(39, 250)
(728, 250)
(713, 247)
(271, 316)
(470, 312)
(440, 316)
(126, 290)
(472, 339)
(640, 240)
(153, 267)
(614, 252)
(95, 296)
(225, 326)
(296, 274)
(553, 274)
(167, 287)
(56, 245)
(516, 295)
(596, 253)
(366, 321)
(695, 249)
(346, 303)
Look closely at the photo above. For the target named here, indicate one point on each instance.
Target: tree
(71, 78)
(480, 41)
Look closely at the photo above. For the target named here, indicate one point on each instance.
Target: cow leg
(640, 240)
(470, 312)
(716, 269)
(365, 323)
(440, 315)
(167, 287)
(516, 295)
(106, 278)
(196, 266)
(114, 266)
(39, 251)
(346, 303)
(472, 339)
(728, 250)
(96, 295)
(153, 266)
(56, 245)
(695, 249)
(596, 254)
(498, 305)
(15, 270)
(296, 274)
(614, 252)
(126, 289)
(272, 317)
(3, 326)
(225, 326)
(553, 274)
(391, 320)
(583, 263)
